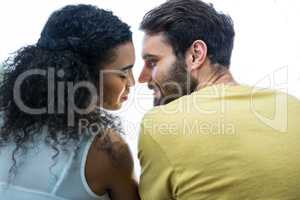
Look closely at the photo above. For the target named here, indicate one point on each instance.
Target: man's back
(222, 142)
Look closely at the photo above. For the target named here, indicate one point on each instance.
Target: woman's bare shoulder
(110, 155)
(110, 167)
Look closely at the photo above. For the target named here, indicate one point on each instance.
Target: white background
(266, 51)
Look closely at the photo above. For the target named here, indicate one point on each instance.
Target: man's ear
(196, 55)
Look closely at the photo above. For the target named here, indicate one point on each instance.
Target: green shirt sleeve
(157, 174)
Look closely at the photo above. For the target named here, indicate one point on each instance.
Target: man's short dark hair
(184, 21)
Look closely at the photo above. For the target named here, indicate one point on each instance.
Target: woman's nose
(131, 79)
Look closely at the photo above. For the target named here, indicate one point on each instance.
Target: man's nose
(146, 75)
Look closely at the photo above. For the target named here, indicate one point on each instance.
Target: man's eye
(150, 63)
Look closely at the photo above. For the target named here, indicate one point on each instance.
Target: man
(210, 137)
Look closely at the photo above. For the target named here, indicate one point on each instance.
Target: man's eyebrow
(149, 56)
(126, 67)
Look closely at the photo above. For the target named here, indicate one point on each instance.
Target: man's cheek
(154, 73)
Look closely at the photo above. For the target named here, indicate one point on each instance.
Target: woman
(56, 139)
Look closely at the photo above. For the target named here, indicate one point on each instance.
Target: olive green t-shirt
(222, 142)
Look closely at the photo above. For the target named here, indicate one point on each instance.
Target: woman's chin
(115, 107)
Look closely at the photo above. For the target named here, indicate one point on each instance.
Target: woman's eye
(124, 74)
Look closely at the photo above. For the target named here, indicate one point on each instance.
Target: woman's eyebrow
(126, 67)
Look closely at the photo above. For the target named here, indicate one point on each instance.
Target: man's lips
(156, 90)
(156, 93)
(151, 86)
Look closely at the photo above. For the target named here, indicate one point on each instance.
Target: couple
(203, 140)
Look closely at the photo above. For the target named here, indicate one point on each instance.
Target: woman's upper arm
(123, 186)
(111, 168)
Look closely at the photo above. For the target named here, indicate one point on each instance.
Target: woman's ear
(196, 55)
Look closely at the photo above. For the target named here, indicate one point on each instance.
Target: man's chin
(163, 100)
(156, 101)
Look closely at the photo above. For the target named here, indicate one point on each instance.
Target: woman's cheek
(109, 91)
(113, 92)
(121, 92)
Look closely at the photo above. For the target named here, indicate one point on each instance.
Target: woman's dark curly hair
(75, 43)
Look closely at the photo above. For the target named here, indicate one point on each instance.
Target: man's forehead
(155, 44)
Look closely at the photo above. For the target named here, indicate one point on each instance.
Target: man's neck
(215, 77)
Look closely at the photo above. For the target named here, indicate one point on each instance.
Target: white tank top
(39, 177)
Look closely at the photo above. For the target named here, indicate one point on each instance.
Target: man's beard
(177, 83)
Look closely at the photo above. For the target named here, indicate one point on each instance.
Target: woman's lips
(124, 98)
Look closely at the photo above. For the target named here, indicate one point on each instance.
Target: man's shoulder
(175, 107)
